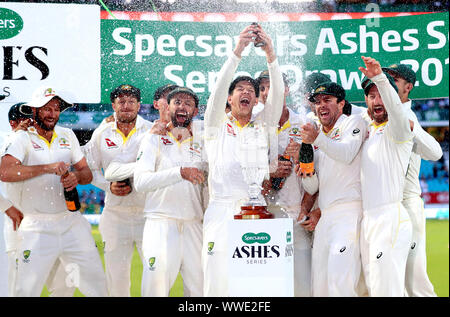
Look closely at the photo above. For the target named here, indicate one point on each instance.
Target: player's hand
(24, 124)
(373, 67)
(311, 223)
(16, 216)
(268, 45)
(192, 174)
(120, 188)
(245, 37)
(58, 168)
(284, 169)
(266, 187)
(309, 133)
(159, 128)
(293, 150)
(69, 181)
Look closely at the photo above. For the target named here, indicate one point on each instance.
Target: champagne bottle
(278, 182)
(258, 41)
(72, 199)
(306, 158)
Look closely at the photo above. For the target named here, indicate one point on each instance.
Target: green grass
(437, 254)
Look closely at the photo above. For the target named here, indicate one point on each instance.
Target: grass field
(437, 254)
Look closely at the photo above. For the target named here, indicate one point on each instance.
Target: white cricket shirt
(386, 152)
(157, 174)
(108, 142)
(224, 134)
(337, 161)
(44, 193)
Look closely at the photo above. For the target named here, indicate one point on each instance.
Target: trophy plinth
(254, 212)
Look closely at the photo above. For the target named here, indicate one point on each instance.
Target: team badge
(36, 146)
(230, 130)
(64, 144)
(26, 256)
(166, 141)
(210, 248)
(151, 263)
(110, 144)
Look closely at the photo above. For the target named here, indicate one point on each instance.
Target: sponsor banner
(148, 54)
(435, 198)
(50, 44)
(260, 257)
(247, 17)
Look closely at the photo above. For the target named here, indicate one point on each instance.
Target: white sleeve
(345, 149)
(425, 144)
(17, 145)
(274, 105)
(398, 123)
(121, 167)
(215, 109)
(146, 176)
(77, 153)
(93, 157)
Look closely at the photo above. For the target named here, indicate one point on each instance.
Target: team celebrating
(173, 185)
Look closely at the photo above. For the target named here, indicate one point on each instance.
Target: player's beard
(183, 124)
(43, 125)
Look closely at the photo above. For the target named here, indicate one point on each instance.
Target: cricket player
(122, 220)
(20, 118)
(286, 201)
(40, 158)
(223, 131)
(386, 229)
(336, 263)
(425, 147)
(170, 171)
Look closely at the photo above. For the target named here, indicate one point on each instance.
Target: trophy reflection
(255, 166)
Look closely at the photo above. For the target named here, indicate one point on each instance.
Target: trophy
(255, 166)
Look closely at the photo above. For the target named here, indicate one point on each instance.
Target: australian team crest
(26, 256)
(210, 248)
(151, 263)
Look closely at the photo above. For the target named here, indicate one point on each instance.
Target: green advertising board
(148, 54)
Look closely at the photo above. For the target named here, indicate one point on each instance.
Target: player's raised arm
(215, 109)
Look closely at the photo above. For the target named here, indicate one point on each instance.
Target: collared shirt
(386, 152)
(426, 147)
(337, 161)
(224, 135)
(108, 142)
(157, 175)
(44, 193)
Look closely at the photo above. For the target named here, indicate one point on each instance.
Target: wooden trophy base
(253, 212)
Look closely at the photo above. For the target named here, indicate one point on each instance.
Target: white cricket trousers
(417, 282)
(336, 257)
(42, 239)
(56, 284)
(121, 230)
(215, 247)
(386, 234)
(171, 246)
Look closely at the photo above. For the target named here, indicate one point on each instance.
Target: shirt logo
(166, 141)
(230, 130)
(63, 143)
(36, 146)
(110, 143)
